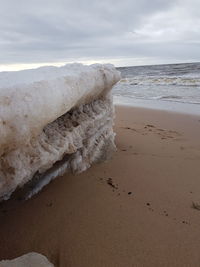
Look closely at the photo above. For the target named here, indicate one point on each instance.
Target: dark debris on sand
(110, 182)
(195, 205)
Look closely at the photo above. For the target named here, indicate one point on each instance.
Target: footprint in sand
(164, 213)
(162, 133)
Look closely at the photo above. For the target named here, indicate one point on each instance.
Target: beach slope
(134, 210)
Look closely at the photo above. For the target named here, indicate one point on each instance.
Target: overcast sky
(128, 32)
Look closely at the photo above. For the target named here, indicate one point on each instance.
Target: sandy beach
(134, 210)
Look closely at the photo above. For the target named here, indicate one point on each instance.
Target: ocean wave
(164, 81)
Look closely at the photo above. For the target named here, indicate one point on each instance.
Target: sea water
(173, 87)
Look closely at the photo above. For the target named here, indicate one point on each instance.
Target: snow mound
(52, 114)
(31, 259)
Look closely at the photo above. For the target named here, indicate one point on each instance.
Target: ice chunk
(50, 113)
(31, 259)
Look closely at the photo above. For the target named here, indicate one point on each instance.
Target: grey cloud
(48, 30)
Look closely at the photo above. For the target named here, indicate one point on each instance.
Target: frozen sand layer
(50, 112)
(31, 259)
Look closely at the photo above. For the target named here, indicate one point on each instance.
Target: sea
(174, 87)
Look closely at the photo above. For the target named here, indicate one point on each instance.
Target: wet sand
(134, 210)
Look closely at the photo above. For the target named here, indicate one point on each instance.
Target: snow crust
(31, 259)
(53, 113)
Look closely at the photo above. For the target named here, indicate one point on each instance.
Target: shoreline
(161, 105)
(134, 210)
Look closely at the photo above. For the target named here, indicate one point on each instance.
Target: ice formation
(31, 259)
(51, 114)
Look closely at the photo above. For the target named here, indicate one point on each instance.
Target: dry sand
(135, 210)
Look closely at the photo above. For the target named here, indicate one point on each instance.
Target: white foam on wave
(166, 81)
(50, 112)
